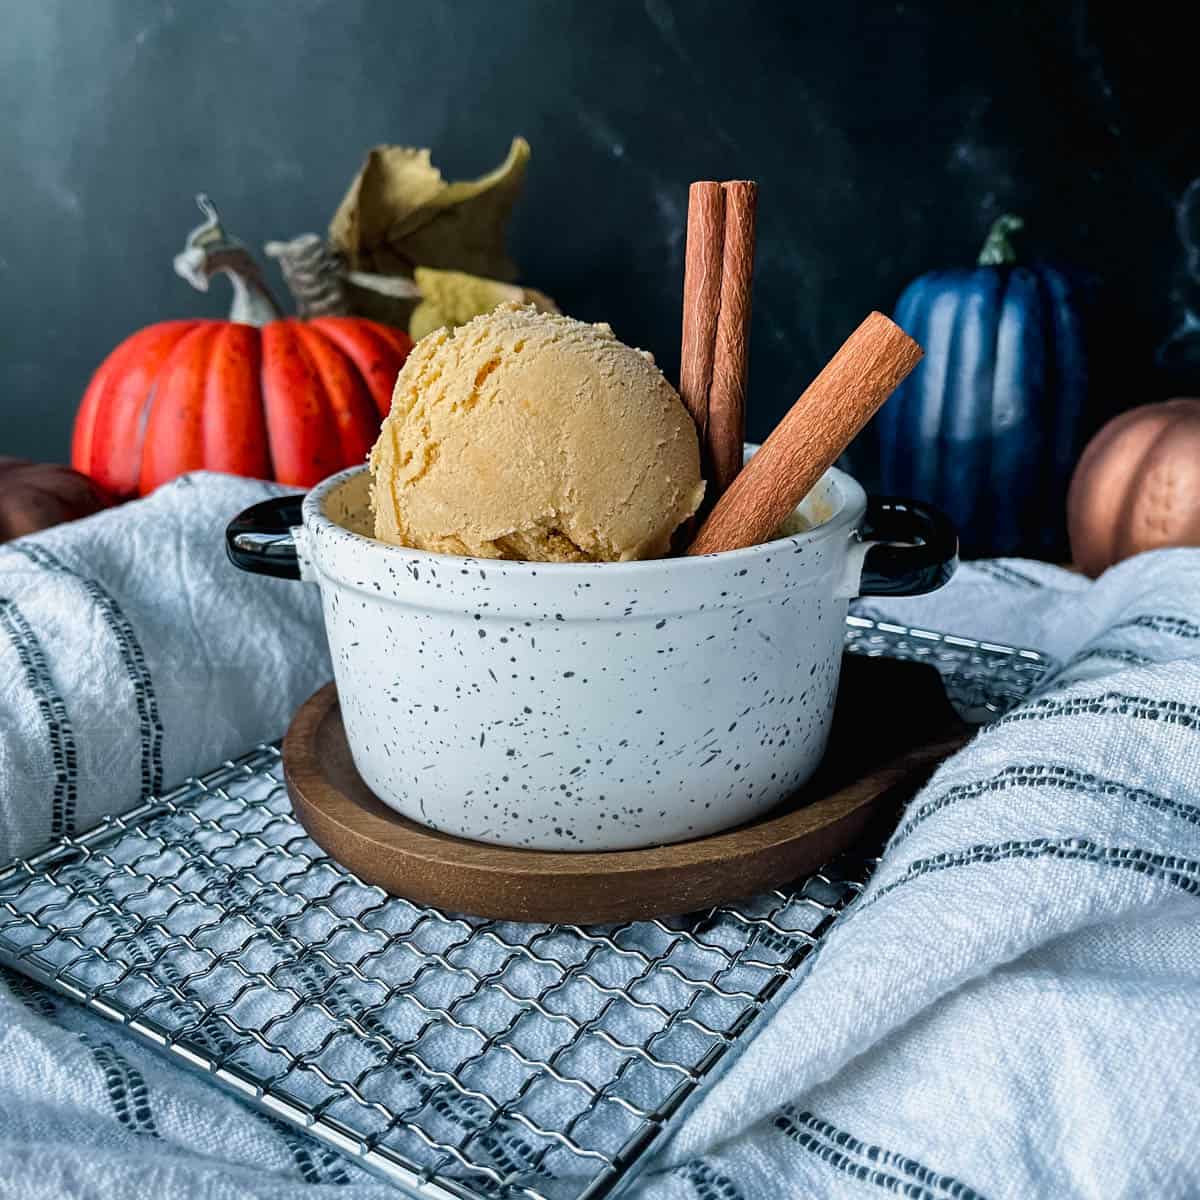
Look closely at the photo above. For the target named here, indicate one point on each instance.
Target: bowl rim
(846, 519)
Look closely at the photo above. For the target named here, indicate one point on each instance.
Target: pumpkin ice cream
(526, 435)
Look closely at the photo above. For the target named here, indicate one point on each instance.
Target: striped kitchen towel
(132, 655)
(1012, 1009)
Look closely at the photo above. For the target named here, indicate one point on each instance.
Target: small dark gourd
(37, 495)
(989, 426)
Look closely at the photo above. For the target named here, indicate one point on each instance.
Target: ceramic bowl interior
(348, 504)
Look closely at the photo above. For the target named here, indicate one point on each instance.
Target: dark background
(885, 137)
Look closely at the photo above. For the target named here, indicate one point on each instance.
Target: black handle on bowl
(260, 539)
(917, 550)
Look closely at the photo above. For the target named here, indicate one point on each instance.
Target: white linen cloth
(133, 655)
(1011, 1009)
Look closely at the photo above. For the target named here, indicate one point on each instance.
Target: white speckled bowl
(595, 706)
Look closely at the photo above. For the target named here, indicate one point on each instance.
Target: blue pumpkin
(992, 421)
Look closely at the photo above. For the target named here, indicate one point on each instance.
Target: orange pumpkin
(37, 495)
(1137, 486)
(257, 395)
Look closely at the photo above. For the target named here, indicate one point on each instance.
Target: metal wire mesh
(982, 679)
(456, 1056)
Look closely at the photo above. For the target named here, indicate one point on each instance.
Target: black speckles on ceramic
(583, 706)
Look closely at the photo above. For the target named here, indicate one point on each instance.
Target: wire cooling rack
(458, 1057)
(983, 679)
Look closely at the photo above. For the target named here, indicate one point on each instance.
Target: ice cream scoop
(527, 435)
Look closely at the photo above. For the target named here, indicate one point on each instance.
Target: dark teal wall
(885, 137)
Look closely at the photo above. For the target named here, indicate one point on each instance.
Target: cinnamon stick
(701, 299)
(849, 390)
(726, 431)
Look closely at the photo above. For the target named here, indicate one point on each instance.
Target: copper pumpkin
(257, 395)
(1137, 486)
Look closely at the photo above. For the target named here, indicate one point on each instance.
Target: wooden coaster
(892, 726)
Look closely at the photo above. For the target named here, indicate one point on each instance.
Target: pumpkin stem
(314, 272)
(998, 249)
(210, 251)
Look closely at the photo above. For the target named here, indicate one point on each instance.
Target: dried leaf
(399, 213)
(450, 298)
